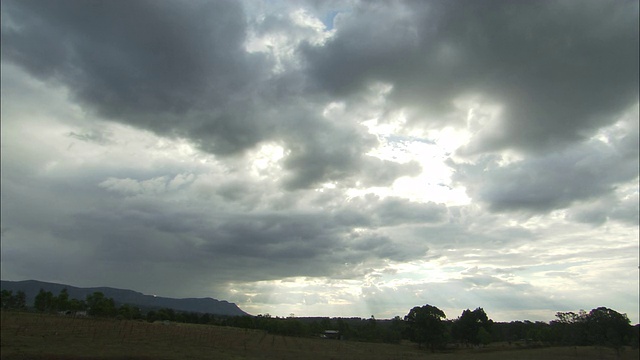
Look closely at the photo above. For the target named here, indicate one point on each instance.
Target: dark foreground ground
(35, 336)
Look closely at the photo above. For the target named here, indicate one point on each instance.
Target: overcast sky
(330, 158)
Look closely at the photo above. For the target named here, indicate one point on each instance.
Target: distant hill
(121, 296)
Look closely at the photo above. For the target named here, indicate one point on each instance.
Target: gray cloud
(191, 147)
(181, 70)
(455, 295)
(555, 180)
(558, 70)
(393, 211)
(608, 208)
(137, 221)
(145, 57)
(178, 69)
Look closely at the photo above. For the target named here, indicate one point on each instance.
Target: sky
(326, 158)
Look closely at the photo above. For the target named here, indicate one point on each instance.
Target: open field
(36, 336)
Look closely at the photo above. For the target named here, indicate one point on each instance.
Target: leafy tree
(343, 327)
(484, 337)
(7, 299)
(608, 328)
(635, 336)
(292, 327)
(369, 332)
(20, 300)
(326, 324)
(151, 316)
(129, 312)
(571, 328)
(44, 301)
(466, 328)
(62, 300)
(396, 329)
(166, 314)
(540, 331)
(426, 326)
(99, 305)
(315, 328)
(205, 319)
(601, 326)
(77, 305)
(188, 317)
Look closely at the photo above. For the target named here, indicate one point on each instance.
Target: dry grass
(36, 336)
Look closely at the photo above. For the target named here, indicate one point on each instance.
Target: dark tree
(20, 300)
(99, 305)
(44, 301)
(151, 316)
(608, 328)
(77, 305)
(166, 314)
(472, 327)
(8, 299)
(205, 319)
(426, 326)
(343, 327)
(570, 328)
(129, 312)
(601, 326)
(396, 329)
(62, 300)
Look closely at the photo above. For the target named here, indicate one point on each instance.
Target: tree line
(95, 304)
(601, 327)
(10, 301)
(425, 325)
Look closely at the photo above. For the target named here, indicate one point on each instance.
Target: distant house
(331, 334)
(73, 313)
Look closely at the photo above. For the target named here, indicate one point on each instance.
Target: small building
(331, 334)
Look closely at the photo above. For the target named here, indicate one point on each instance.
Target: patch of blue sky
(557, 267)
(328, 19)
(395, 138)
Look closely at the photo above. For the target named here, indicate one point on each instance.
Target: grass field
(37, 336)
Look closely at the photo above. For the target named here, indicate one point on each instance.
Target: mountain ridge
(125, 296)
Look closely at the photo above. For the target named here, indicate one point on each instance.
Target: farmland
(44, 336)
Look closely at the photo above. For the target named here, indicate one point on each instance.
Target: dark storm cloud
(156, 65)
(271, 236)
(557, 70)
(262, 145)
(180, 69)
(322, 150)
(338, 153)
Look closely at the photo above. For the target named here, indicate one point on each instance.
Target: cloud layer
(326, 158)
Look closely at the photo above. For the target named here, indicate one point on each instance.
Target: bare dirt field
(37, 336)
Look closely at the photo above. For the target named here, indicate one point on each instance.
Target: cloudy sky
(333, 158)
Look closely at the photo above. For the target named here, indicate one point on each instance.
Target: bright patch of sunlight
(431, 152)
(265, 160)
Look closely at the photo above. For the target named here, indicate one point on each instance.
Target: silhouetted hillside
(121, 296)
